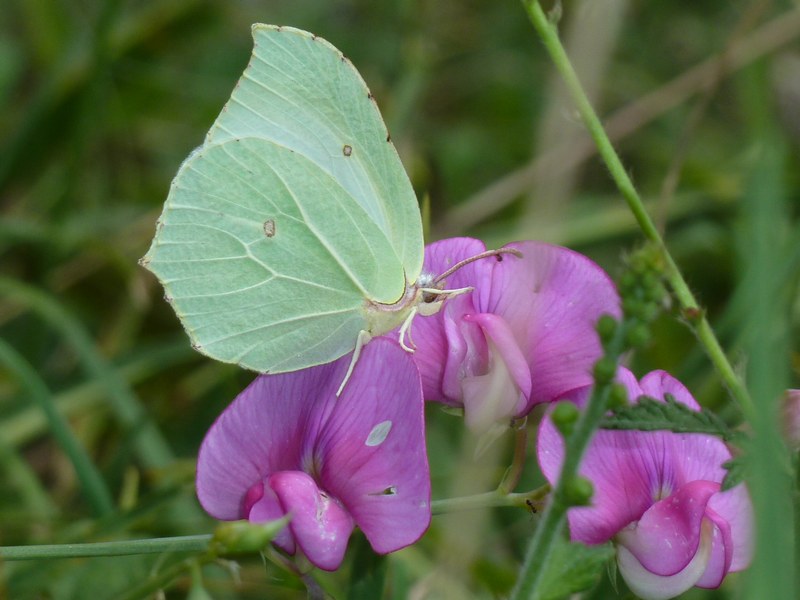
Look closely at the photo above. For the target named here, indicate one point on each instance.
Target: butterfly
(293, 236)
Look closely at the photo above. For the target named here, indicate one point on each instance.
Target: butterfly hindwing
(258, 277)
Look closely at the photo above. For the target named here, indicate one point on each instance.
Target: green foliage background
(101, 101)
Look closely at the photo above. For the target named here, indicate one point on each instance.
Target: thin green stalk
(94, 487)
(548, 32)
(514, 472)
(493, 499)
(542, 545)
(188, 543)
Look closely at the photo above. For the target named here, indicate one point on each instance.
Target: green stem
(495, 498)
(542, 544)
(188, 543)
(548, 32)
(514, 472)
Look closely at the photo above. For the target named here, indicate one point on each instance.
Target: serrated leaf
(736, 472)
(572, 568)
(649, 414)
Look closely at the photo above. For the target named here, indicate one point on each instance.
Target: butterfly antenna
(471, 259)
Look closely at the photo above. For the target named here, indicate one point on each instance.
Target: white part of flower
(378, 434)
(650, 586)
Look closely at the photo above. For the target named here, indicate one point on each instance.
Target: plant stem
(491, 499)
(188, 543)
(548, 32)
(541, 546)
(514, 472)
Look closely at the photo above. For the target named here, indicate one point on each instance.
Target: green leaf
(649, 414)
(737, 472)
(368, 575)
(573, 568)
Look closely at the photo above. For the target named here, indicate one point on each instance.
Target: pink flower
(657, 496)
(524, 336)
(287, 445)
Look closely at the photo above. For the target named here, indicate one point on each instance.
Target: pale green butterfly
(292, 236)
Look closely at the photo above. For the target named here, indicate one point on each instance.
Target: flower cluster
(524, 336)
(657, 496)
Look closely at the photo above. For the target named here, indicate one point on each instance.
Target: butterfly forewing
(301, 92)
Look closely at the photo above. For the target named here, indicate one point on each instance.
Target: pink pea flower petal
(552, 298)
(536, 314)
(371, 450)
(657, 495)
(625, 467)
(735, 507)
(320, 525)
(265, 506)
(719, 561)
(288, 444)
(445, 349)
(259, 433)
(666, 537)
(507, 381)
(650, 586)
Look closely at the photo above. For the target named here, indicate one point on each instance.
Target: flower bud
(604, 370)
(242, 537)
(618, 397)
(638, 335)
(606, 327)
(578, 491)
(564, 416)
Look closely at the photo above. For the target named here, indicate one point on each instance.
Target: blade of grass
(75, 71)
(92, 483)
(764, 219)
(21, 477)
(27, 424)
(151, 446)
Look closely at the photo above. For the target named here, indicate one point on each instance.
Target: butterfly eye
(429, 297)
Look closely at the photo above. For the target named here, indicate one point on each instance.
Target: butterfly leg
(363, 339)
(405, 330)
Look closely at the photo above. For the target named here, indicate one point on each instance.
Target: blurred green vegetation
(103, 404)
